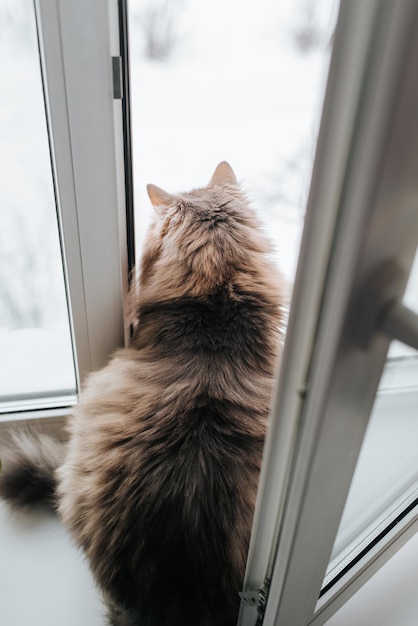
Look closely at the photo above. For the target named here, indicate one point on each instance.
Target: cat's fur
(160, 476)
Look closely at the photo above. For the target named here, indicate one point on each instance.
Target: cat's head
(200, 239)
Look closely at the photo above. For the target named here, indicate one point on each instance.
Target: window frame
(91, 161)
(323, 402)
(85, 123)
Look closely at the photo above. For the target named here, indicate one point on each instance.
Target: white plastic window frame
(362, 216)
(77, 41)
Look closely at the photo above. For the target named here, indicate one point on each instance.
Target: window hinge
(256, 598)
(117, 78)
(250, 597)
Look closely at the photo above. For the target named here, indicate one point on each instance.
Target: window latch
(383, 310)
(117, 78)
(401, 323)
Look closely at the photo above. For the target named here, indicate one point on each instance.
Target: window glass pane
(385, 482)
(35, 345)
(239, 81)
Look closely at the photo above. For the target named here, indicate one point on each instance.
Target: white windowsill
(44, 581)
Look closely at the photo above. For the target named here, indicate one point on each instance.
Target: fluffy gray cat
(157, 483)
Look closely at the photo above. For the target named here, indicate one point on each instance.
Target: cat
(160, 472)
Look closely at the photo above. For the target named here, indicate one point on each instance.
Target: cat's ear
(160, 199)
(223, 175)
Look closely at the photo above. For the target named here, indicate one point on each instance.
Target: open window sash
(359, 241)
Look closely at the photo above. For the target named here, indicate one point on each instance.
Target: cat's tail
(28, 470)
